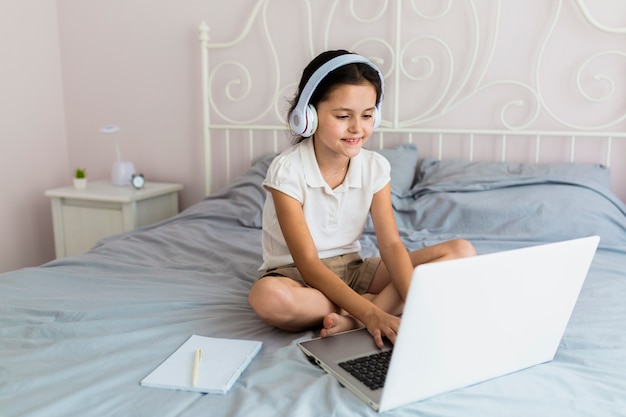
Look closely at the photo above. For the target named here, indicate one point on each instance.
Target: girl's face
(345, 120)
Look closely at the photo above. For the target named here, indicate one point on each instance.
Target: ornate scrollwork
(427, 53)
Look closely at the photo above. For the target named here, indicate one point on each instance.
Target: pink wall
(72, 66)
(136, 64)
(33, 155)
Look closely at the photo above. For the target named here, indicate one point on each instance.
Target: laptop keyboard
(370, 370)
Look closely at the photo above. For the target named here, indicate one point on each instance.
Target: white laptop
(466, 321)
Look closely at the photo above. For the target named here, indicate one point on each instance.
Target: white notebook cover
(223, 361)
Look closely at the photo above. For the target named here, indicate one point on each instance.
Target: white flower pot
(80, 183)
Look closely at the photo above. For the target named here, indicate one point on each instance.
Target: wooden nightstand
(82, 217)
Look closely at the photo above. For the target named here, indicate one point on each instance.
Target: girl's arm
(392, 251)
(316, 274)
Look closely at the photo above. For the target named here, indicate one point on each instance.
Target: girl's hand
(383, 324)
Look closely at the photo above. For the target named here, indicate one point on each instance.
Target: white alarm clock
(137, 181)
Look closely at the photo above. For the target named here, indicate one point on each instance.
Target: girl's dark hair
(351, 74)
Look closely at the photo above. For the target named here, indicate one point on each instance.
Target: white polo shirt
(336, 218)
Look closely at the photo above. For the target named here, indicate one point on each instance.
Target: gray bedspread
(78, 334)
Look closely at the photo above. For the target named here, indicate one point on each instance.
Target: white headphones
(303, 118)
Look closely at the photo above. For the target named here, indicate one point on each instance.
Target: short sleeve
(286, 176)
(381, 171)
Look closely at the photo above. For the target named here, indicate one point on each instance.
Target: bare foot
(336, 323)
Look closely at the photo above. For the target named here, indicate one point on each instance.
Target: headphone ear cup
(377, 117)
(297, 121)
(310, 126)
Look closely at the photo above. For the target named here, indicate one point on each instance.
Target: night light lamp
(122, 171)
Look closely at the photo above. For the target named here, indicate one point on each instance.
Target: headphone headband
(301, 121)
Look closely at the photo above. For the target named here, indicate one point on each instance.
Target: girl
(320, 192)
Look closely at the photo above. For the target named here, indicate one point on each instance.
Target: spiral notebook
(204, 364)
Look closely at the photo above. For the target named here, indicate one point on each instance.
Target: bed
(78, 334)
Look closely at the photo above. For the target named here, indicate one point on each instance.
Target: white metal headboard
(432, 83)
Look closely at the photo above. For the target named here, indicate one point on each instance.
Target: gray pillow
(403, 161)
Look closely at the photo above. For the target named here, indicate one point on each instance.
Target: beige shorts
(354, 271)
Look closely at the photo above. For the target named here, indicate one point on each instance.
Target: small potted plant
(80, 179)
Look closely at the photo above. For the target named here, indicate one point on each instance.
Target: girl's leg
(451, 249)
(284, 303)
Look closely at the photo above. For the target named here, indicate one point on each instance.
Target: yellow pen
(196, 363)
